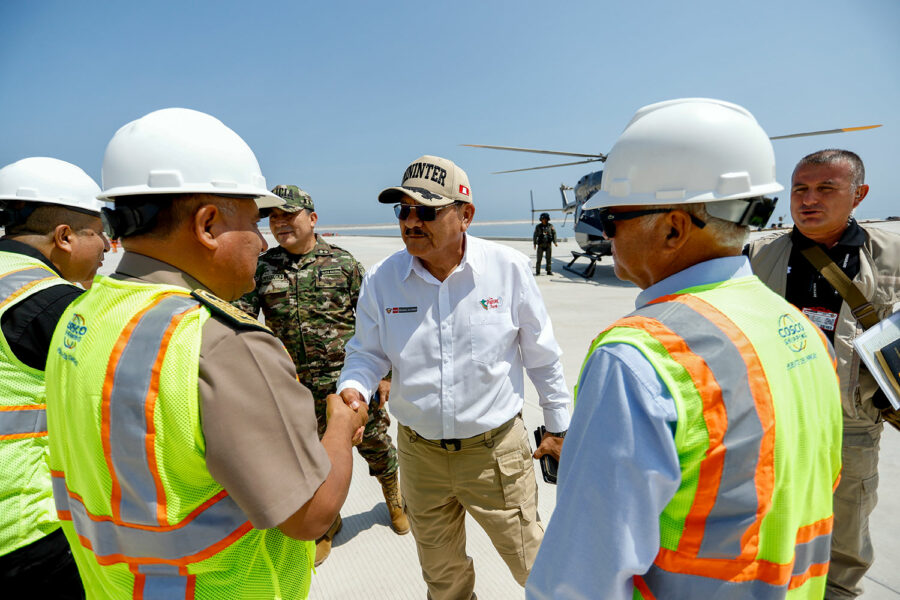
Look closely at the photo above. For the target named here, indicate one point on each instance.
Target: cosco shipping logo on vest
(792, 332)
(75, 330)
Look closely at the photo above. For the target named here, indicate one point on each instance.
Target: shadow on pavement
(377, 516)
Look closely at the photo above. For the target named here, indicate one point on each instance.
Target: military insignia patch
(229, 313)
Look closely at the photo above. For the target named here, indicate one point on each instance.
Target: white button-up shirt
(457, 347)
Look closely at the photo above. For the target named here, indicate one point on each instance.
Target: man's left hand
(550, 444)
(384, 392)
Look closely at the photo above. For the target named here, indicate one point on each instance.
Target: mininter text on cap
(432, 181)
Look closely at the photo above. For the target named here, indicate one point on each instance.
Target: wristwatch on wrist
(561, 434)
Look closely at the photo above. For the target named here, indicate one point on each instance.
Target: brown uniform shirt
(258, 420)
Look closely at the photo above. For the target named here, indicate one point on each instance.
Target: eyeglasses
(608, 219)
(424, 213)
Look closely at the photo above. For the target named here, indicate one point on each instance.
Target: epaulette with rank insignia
(230, 313)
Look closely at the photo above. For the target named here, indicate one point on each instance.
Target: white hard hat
(179, 151)
(50, 181)
(689, 150)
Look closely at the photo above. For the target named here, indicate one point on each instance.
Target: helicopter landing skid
(588, 271)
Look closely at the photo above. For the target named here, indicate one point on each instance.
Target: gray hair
(836, 155)
(726, 234)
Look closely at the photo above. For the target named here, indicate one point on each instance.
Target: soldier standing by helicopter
(544, 235)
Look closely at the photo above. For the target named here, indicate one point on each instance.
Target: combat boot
(323, 544)
(394, 501)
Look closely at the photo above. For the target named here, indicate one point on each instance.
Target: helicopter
(588, 231)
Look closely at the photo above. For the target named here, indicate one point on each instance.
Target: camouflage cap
(295, 199)
(432, 181)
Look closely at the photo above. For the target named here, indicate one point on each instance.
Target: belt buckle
(457, 446)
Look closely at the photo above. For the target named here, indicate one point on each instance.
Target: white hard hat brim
(263, 198)
(604, 199)
(78, 205)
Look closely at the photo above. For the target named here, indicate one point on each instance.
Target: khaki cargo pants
(854, 500)
(491, 477)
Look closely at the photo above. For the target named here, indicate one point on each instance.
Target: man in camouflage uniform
(307, 290)
(544, 235)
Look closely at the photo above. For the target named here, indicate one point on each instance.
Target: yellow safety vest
(758, 439)
(142, 513)
(27, 512)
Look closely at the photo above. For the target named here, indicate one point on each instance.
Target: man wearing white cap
(457, 318)
(53, 236)
(183, 450)
(706, 437)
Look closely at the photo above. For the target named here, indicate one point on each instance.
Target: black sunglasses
(608, 219)
(424, 213)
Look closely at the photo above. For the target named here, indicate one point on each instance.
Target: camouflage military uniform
(309, 301)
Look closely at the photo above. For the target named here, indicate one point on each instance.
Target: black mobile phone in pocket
(549, 465)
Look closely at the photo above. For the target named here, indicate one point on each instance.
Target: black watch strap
(561, 434)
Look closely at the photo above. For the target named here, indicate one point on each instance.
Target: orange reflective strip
(191, 583)
(743, 569)
(765, 409)
(642, 588)
(139, 580)
(738, 569)
(24, 407)
(118, 348)
(149, 408)
(814, 530)
(817, 570)
(716, 424)
(837, 481)
(22, 436)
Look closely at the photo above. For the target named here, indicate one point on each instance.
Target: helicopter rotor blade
(534, 151)
(580, 162)
(825, 132)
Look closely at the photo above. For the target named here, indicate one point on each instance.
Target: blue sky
(338, 97)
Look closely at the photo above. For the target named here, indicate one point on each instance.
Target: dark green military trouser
(541, 250)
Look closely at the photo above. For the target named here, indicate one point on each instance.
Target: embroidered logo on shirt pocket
(492, 334)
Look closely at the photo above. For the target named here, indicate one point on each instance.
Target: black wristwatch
(561, 434)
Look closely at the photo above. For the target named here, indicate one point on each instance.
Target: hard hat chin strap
(124, 221)
(752, 212)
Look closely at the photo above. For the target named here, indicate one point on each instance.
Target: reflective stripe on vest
(22, 421)
(195, 538)
(18, 282)
(29, 420)
(129, 395)
(719, 357)
(163, 582)
(138, 531)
